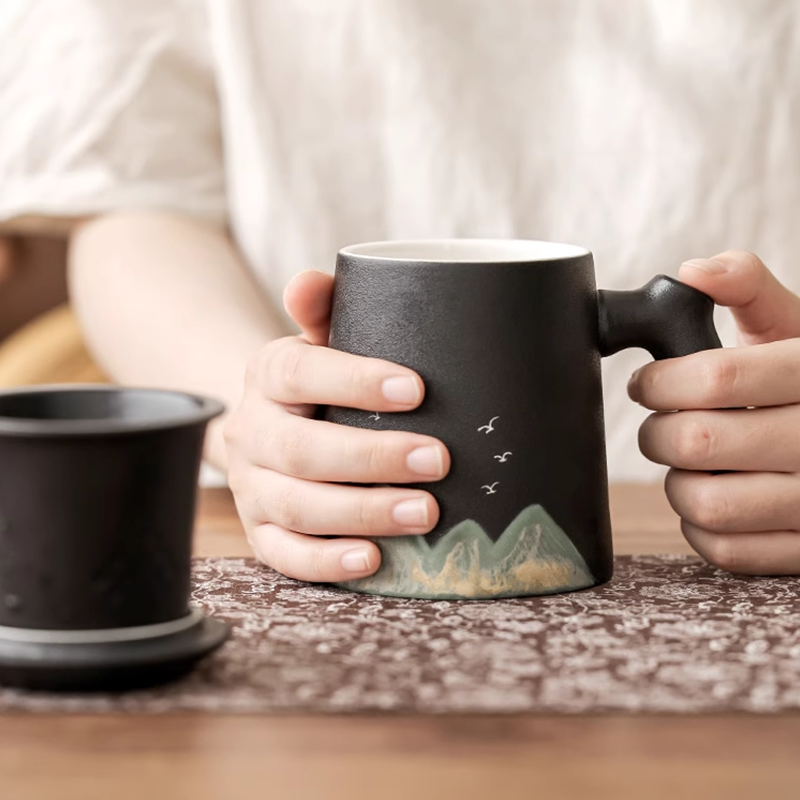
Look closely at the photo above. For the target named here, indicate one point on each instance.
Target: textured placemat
(668, 634)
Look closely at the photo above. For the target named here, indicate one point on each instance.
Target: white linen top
(650, 131)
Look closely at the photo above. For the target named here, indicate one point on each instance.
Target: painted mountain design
(532, 556)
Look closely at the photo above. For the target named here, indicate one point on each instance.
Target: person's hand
(288, 471)
(746, 521)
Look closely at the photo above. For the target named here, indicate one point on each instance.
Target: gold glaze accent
(533, 556)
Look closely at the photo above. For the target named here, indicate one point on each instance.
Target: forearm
(166, 301)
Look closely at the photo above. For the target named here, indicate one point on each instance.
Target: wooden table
(383, 758)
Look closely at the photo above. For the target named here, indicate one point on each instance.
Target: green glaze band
(533, 556)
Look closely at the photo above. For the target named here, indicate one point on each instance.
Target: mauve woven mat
(668, 634)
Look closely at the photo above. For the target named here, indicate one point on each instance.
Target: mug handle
(665, 317)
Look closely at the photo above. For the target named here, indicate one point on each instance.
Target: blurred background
(39, 337)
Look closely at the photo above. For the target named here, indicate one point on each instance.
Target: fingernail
(710, 265)
(426, 461)
(411, 513)
(402, 389)
(356, 561)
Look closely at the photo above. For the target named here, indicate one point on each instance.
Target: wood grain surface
(383, 757)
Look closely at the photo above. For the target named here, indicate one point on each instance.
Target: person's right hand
(288, 472)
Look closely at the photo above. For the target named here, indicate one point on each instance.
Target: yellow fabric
(49, 349)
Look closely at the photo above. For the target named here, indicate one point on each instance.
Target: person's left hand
(740, 411)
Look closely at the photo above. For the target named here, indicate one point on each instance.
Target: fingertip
(648, 440)
(765, 310)
(307, 300)
(434, 513)
(359, 559)
(646, 385)
(633, 386)
(447, 464)
(730, 278)
(316, 559)
(300, 285)
(255, 546)
(703, 274)
(406, 390)
(739, 260)
(424, 518)
(289, 291)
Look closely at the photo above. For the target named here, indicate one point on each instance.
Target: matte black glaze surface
(513, 341)
(514, 346)
(667, 318)
(95, 527)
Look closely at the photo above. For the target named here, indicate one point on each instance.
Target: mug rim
(205, 409)
(473, 251)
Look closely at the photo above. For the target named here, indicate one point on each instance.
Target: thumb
(764, 309)
(307, 299)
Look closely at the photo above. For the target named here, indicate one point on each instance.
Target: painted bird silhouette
(503, 458)
(490, 427)
(491, 489)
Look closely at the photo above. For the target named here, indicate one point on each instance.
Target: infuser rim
(198, 409)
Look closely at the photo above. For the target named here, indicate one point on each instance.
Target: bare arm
(166, 301)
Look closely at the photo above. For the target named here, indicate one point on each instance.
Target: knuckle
(710, 509)
(317, 563)
(258, 364)
(376, 458)
(692, 442)
(285, 508)
(359, 383)
(290, 451)
(369, 514)
(286, 371)
(747, 259)
(719, 379)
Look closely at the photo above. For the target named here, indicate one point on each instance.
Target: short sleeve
(105, 105)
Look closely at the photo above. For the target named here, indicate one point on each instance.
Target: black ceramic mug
(507, 336)
(97, 505)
